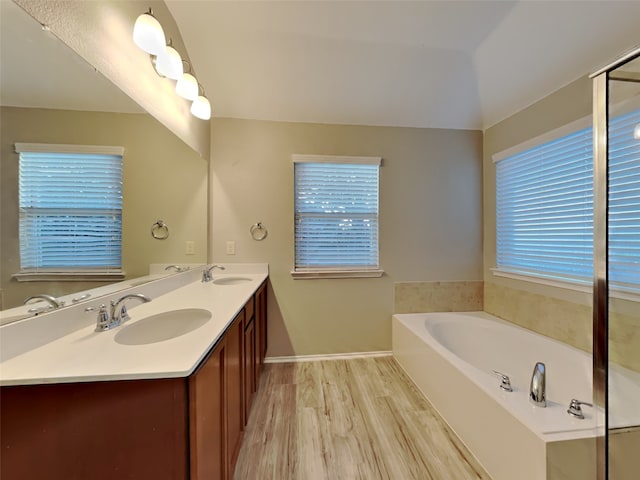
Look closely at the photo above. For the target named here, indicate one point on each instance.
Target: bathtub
(451, 358)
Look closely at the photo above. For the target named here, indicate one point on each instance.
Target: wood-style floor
(346, 420)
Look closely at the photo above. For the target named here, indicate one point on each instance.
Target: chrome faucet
(505, 381)
(206, 273)
(537, 390)
(177, 268)
(575, 409)
(118, 312)
(52, 301)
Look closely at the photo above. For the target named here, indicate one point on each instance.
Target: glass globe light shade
(201, 108)
(187, 87)
(169, 63)
(148, 34)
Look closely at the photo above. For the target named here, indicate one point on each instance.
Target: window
(544, 207)
(70, 201)
(336, 216)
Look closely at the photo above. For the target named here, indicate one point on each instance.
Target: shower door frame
(600, 255)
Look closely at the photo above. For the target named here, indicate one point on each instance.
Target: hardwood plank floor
(346, 420)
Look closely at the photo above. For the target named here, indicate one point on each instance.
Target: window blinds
(624, 200)
(544, 206)
(336, 215)
(70, 211)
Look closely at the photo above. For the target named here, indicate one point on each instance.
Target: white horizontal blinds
(336, 215)
(624, 200)
(545, 208)
(70, 211)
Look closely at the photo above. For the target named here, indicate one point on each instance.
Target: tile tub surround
(425, 297)
(566, 321)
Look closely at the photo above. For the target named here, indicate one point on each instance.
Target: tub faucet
(206, 273)
(537, 390)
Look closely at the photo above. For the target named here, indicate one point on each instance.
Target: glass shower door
(623, 268)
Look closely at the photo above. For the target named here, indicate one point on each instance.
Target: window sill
(317, 274)
(575, 284)
(68, 276)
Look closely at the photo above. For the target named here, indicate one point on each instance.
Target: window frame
(79, 273)
(318, 272)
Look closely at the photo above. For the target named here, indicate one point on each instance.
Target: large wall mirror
(50, 95)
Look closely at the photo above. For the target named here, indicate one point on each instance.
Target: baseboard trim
(330, 356)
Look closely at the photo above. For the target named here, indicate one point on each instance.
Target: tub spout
(537, 390)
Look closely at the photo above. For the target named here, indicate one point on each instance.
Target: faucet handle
(103, 321)
(505, 382)
(575, 409)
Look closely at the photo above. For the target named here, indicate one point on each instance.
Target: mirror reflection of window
(70, 210)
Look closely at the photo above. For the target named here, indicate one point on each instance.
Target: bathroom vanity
(105, 405)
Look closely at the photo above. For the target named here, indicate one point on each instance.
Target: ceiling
(39, 71)
(435, 64)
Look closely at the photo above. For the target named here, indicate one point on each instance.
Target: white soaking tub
(451, 358)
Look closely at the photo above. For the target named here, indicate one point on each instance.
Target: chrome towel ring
(258, 231)
(160, 230)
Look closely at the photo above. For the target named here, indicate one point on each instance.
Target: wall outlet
(189, 247)
(231, 247)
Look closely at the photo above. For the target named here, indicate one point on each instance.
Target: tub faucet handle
(505, 382)
(575, 410)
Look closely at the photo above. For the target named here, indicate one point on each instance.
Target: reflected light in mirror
(148, 34)
(636, 132)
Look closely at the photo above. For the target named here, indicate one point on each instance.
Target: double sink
(164, 338)
(167, 325)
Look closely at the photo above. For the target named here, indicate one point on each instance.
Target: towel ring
(160, 230)
(258, 231)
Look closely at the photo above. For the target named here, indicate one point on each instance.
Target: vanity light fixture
(148, 34)
(187, 86)
(636, 132)
(167, 62)
(201, 107)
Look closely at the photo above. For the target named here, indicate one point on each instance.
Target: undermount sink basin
(162, 326)
(230, 280)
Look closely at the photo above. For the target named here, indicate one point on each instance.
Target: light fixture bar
(149, 36)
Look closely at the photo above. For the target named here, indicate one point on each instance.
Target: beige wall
(101, 33)
(163, 179)
(556, 312)
(430, 223)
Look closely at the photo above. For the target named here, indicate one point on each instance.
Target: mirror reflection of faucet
(52, 303)
(177, 268)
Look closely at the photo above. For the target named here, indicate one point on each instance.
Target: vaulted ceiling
(437, 64)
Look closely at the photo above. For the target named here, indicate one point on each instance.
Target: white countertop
(62, 346)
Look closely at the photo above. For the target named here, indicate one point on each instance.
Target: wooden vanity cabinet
(249, 359)
(99, 430)
(169, 429)
(216, 408)
(261, 327)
